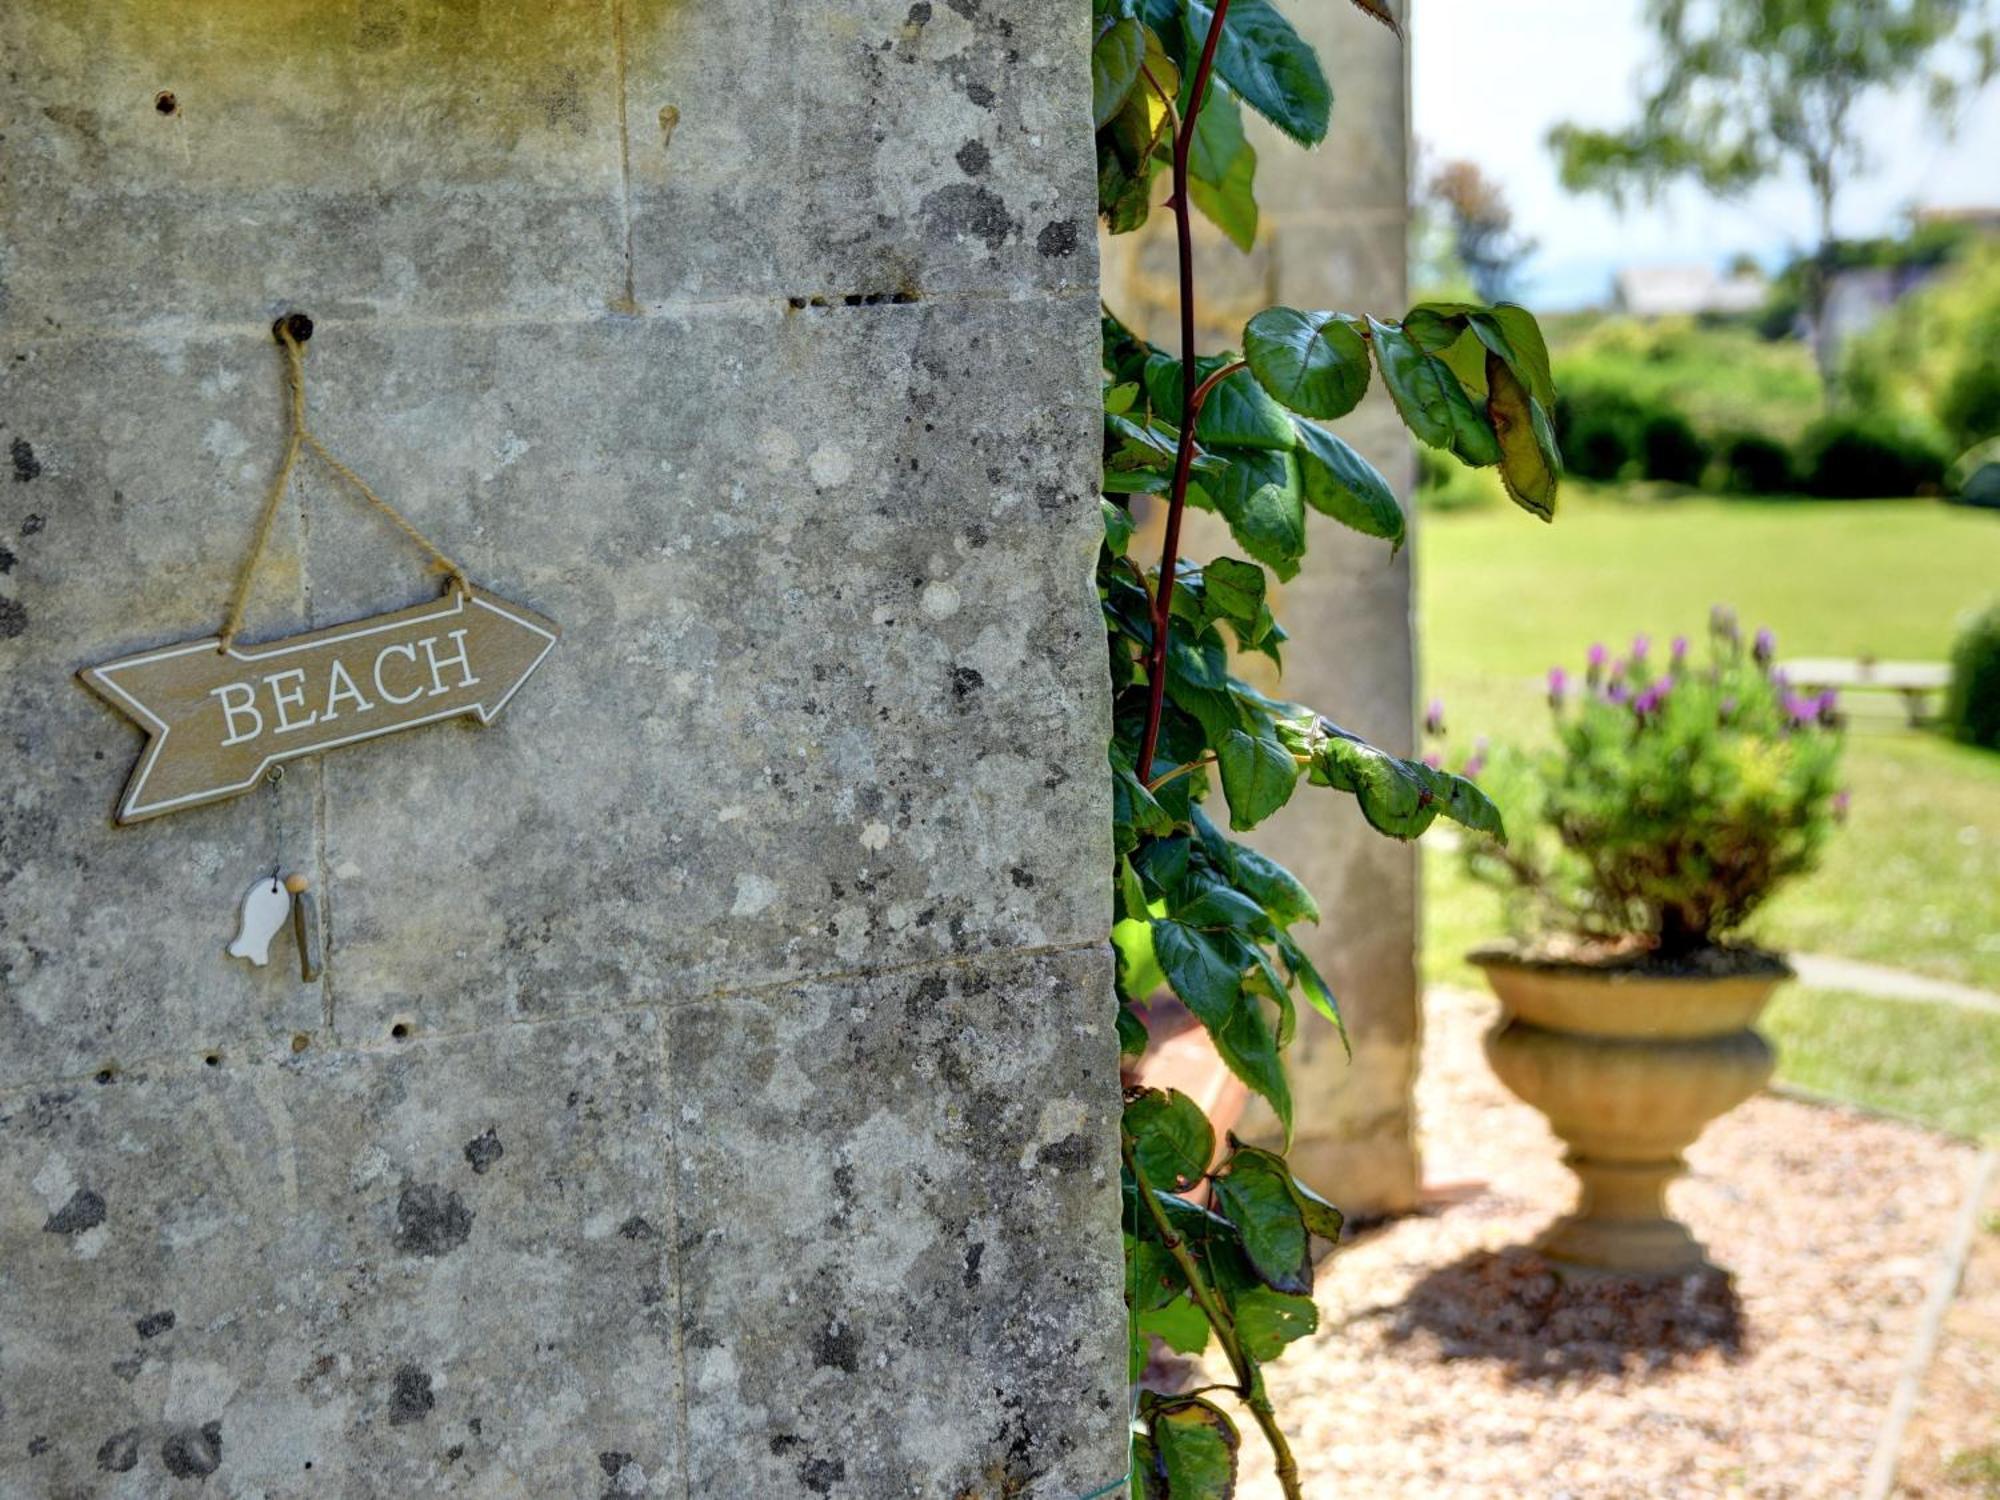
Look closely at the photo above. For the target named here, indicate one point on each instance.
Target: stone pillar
(712, 1087)
(1332, 234)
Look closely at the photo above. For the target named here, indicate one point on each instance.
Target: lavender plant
(1676, 798)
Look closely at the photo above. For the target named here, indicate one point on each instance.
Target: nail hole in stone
(400, 1031)
(106, 1075)
(300, 1042)
(165, 102)
(213, 1059)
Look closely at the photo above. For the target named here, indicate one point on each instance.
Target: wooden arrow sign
(217, 720)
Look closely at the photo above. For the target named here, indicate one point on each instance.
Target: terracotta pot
(1629, 1067)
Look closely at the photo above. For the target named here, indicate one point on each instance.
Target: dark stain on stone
(636, 1228)
(785, 1442)
(973, 1255)
(979, 94)
(37, 1446)
(32, 525)
(7, 560)
(85, 1209)
(193, 1453)
(483, 1150)
(820, 1475)
(964, 682)
(964, 208)
(837, 1347)
(919, 16)
(128, 1369)
(26, 465)
(1070, 1154)
(1058, 238)
(13, 618)
(119, 1453)
(430, 1220)
(154, 1324)
(1022, 879)
(611, 1463)
(410, 1397)
(973, 158)
(966, 8)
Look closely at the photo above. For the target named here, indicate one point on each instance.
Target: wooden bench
(1917, 683)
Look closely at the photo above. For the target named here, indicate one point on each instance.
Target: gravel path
(1447, 1365)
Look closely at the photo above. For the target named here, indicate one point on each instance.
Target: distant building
(1686, 291)
(1981, 220)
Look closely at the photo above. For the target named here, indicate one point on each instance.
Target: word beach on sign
(220, 718)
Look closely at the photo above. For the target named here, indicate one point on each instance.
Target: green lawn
(1913, 880)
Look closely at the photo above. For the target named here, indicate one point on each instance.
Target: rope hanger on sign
(291, 332)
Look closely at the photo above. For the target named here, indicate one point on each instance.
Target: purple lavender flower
(1722, 621)
(1828, 708)
(1764, 647)
(1648, 703)
(1841, 801)
(1558, 686)
(1471, 769)
(1800, 710)
(1617, 693)
(1597, 658)
(1680, 649)
(1434, 760)
(1434, 716)
(1641, 644)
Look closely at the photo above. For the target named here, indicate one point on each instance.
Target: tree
(1482, 228)
(1745, 90)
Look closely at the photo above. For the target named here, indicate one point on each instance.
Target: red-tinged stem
(1191, 397)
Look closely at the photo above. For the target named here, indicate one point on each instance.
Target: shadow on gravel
(1544, 1321)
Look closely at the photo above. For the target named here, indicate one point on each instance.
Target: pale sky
(1490, 79)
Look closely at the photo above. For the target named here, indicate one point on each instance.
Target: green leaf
(1282, 895)
(1114, 66)
(1319, 1216)
(1194, 1450)
(1244, 1041)
(1219, 907)
(1222, 169)
(1180, 1325)
(1261, 495)
(1117, 527)
(1205, 972)
(1530, 466)
(1395, 795)
(1234, 589)
(1464, 803)
(1267, 64)
(1266, 1321)
(1132, 1036)
(1171, 1138)
(1258, 775)
(1236, 413)
(1341, 483)
(1511, 332)
(1256, 1196)
(1131, 895)
(1316, 363)
(1432, 403)
(1318, 993)
(1207, 982)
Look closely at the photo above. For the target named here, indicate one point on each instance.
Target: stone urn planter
(1630, 1062)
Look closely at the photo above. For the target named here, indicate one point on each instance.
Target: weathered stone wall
(712, 1086)
(1332, 234)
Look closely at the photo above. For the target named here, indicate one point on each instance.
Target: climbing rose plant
(1198, 913)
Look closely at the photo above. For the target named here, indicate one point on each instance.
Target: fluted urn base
(1630, 1067)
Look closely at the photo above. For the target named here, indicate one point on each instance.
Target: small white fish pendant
(266, 905)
